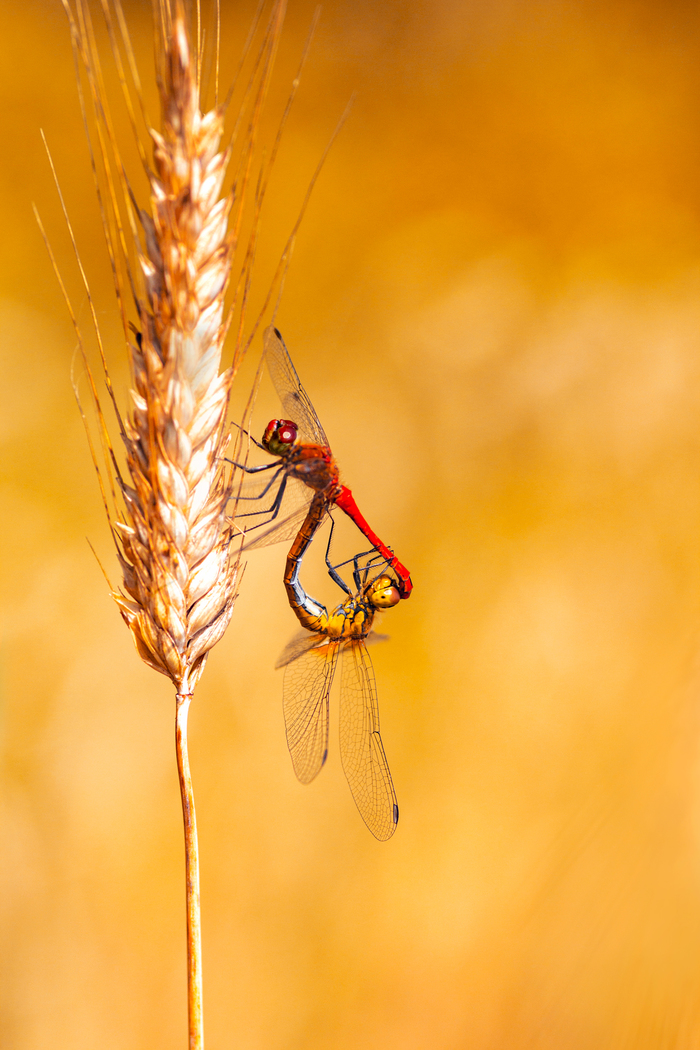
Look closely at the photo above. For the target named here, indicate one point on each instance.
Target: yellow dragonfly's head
(382, 594)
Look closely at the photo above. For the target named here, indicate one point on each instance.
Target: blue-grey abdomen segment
(304, 600)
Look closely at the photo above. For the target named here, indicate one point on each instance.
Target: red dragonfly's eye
(287, 432)
(279, 436)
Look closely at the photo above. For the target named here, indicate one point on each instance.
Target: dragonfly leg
(332, 568)
(363, 554)
(251, 470)
(260, 495)
(247, 434)
(357, 571)
(377, 561)
(273, 511)
(358, 579)
(360, 573)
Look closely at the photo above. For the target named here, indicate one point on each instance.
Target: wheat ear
(179, 574)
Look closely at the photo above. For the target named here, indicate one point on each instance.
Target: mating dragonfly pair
(302, 490)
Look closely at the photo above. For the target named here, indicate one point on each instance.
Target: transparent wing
(262, 486)
(373, 637)
(286, 529)
(301, 642)
(361, 749)
(294, 398)
(294, 508)
(307, 683)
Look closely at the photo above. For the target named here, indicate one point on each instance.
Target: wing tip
(270, 333)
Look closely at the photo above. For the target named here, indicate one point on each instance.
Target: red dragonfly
(310, 662)
(302, 454)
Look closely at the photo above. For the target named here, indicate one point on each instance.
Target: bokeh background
(495, 305)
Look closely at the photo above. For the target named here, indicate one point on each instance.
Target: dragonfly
(302, 454)
(310, 662)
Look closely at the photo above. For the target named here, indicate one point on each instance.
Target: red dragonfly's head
(279, 436)
(382, 594)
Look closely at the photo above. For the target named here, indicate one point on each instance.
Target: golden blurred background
(494, 304)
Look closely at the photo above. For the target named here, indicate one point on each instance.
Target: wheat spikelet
(175, 545)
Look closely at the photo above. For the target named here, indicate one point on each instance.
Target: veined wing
(286, 529)
(361, 749)
(293, 510)
(301, 642)
(307, 683)
(254, 487)
(294, 398)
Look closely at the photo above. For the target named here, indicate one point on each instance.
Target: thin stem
(194, 923)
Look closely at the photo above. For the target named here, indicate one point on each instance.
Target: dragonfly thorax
(352, 619)
(316, 467)
(279, 436)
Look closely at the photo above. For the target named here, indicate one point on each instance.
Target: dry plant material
(168, 497)
(175, 547)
